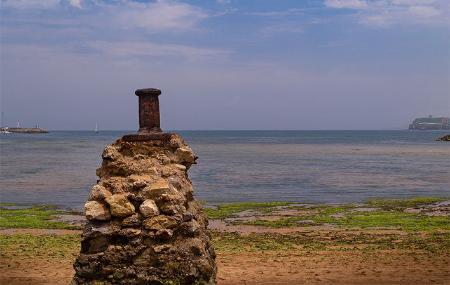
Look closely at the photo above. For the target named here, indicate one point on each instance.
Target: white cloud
(412, 2)
(38, 4)
(30, 4)
(162, 15)
(276, 29)
(136, 49)
(289, 12)
(384, 13)
(423, 11)
(377, 20)
(75, 3)
(347, 4)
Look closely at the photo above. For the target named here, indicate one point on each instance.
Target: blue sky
(226, 64)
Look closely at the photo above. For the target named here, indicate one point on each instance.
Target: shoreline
(214, 205)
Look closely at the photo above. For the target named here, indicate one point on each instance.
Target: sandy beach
(272, 243)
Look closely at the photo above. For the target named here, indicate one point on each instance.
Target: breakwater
(25, 130)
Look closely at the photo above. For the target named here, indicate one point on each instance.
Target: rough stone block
(96, 211)
(148, 208)
(120, 206)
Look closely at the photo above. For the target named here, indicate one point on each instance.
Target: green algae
(383, 213)
(231, 209)
(395, 204)
(379, 219)
(36, 217)
(54, 246)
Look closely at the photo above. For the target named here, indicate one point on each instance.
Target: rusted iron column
(149, 121)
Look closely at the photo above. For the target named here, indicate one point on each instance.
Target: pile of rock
(445, 138)
(144, 225)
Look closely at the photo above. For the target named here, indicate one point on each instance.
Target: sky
(225, 64)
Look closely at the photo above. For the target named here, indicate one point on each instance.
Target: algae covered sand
(378, 242)
(32, 217)
(418, 214)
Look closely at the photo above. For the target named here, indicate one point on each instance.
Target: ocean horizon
(309, 166)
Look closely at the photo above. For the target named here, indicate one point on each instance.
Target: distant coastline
(430, 123)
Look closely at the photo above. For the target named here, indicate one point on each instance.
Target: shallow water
(303, 166)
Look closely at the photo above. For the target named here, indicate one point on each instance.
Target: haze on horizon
(225, 64)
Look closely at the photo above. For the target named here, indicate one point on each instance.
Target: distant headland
(430, 123)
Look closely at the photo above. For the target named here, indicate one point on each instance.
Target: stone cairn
(143, 224)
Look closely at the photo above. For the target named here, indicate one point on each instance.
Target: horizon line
(232, 130)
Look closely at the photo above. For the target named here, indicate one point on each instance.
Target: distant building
(430, 123)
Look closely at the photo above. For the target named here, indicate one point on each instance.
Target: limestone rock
(160, 185)
(159, 222)
(180, 167)
(139, 184)
(176, 142)
(129, 232)
(148, 208)
(132, 221)
(164, 234)
(102, 229)
(120, 206)
(110, 152)
(185, 154)
(96, 211)
(99, 193)
(157, 189)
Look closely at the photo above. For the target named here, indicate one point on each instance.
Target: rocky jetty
(445, 138)
(25, 130)
(144, 225)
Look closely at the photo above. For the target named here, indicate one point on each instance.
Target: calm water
(304, 166)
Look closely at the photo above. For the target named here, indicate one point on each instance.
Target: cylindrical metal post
(149, 121)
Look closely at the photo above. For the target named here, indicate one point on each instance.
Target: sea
(236, 166)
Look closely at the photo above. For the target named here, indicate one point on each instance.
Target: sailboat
(96, 128)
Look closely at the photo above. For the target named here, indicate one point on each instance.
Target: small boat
(96, 128)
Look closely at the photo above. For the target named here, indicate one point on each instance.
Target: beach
(285, 207)
(378, 242)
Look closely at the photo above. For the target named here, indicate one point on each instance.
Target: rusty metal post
(149, 121)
